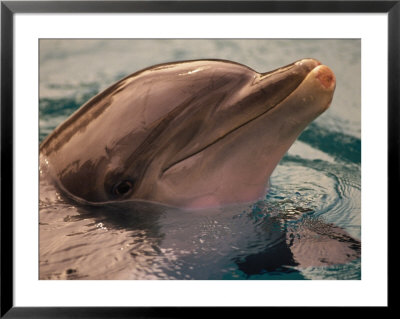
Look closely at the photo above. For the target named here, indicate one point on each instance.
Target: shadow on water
(341, 146)
(297, 240)
(275, 258)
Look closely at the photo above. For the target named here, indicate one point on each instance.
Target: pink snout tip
(325, 76)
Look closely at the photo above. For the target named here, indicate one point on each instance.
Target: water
(314, 196)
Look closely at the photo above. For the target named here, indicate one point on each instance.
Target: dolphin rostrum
(191, 134)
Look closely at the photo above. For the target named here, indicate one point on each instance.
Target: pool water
(307, 227)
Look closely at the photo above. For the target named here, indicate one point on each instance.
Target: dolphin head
(192, 134)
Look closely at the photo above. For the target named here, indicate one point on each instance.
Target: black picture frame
(9, 8)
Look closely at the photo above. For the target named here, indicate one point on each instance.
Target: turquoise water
(317, 183)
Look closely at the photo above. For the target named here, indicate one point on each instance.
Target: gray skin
(193, 134)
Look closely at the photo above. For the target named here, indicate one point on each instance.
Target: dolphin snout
(319, 86)
(307, 64)
(325, 76)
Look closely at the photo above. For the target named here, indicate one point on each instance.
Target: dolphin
(191, 134)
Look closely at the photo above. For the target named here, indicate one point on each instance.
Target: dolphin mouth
(326, 78)
(164, 170)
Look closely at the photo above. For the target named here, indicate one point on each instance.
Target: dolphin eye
(122, 188)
